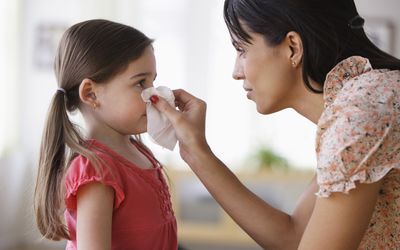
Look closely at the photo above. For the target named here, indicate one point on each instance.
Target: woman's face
(268, 75)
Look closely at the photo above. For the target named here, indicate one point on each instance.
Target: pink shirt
(358, 140)
(143, 217)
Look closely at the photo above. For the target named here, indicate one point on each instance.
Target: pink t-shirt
(143, 217)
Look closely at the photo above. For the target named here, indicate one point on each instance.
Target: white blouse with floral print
(358, 140)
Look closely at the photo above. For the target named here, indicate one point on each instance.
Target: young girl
(312, 56)
(109, 186)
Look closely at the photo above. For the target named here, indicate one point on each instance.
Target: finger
(185, 101)
(183, 96)
(163, 106)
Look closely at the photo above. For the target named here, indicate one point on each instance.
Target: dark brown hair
(93, 49)
(330, 31)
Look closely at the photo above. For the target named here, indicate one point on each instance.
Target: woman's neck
(309, 104)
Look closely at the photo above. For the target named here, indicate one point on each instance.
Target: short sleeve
(357, 139)
(81, 171)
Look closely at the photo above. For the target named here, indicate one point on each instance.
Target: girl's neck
(113, 140)
(122, 145)
(103, 133)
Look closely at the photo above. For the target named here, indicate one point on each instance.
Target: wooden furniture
(201, 219)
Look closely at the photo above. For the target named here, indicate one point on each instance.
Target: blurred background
(273, 155)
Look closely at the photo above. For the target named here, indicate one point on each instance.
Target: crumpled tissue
(159, 127)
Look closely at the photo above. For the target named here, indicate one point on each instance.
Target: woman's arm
(94, 216)
(269, 227)
(339, 222)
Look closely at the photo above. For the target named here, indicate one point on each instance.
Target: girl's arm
(94, 216)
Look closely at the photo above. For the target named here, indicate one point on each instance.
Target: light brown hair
(93, 49)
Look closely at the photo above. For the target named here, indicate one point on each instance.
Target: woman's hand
(188, 122)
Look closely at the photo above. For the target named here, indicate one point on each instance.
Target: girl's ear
(295, 43)
(87, 93)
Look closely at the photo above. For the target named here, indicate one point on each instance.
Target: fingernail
(154, 99)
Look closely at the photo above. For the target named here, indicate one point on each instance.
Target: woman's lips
(248, 90)
(248, 95)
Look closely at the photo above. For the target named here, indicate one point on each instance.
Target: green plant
(266, 158)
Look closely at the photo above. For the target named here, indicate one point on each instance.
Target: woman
(312, 56)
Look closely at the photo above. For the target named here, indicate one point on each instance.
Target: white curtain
(9, 51)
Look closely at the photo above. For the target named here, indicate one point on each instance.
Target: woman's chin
(266, 110)
(261, 110)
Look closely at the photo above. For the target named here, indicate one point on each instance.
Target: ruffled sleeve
(357, 138)
(82, 171)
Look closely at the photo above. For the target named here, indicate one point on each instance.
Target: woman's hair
(330, 31)
(93, 49)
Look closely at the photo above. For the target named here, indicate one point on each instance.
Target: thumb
(164, 107)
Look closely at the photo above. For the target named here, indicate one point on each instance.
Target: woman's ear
(295, 43)
(87, 93)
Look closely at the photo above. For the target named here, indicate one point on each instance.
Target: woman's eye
(240, 50)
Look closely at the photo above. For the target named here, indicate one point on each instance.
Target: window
(8, 74)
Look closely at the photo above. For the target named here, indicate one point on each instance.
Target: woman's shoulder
(354, 80)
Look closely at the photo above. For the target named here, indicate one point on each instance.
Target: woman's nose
(237, 73)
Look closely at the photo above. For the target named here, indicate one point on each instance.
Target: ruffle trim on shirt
(344, 71)
(70, 199)
(364, 176)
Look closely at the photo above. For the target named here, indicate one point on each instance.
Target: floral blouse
(358, 140)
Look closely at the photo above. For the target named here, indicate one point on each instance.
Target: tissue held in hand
(158, 126)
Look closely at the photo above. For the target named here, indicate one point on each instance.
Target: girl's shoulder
(101, 165)
(82, 170)
(101, 157)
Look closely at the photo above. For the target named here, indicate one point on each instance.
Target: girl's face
(121, 107)
(268, 76)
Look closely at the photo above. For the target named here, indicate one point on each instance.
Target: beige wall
(385, 10)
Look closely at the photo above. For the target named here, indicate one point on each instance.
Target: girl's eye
(141, 83)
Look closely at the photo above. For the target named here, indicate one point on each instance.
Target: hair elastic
(356, 22)
(62, 90)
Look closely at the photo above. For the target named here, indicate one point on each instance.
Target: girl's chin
(138, 131)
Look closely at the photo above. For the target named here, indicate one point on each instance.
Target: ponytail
(60, 142)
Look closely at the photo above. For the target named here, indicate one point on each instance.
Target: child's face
(121, 106)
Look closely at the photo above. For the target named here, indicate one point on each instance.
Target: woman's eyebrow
(237, 44)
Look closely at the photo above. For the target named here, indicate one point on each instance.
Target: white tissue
(158, 126)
